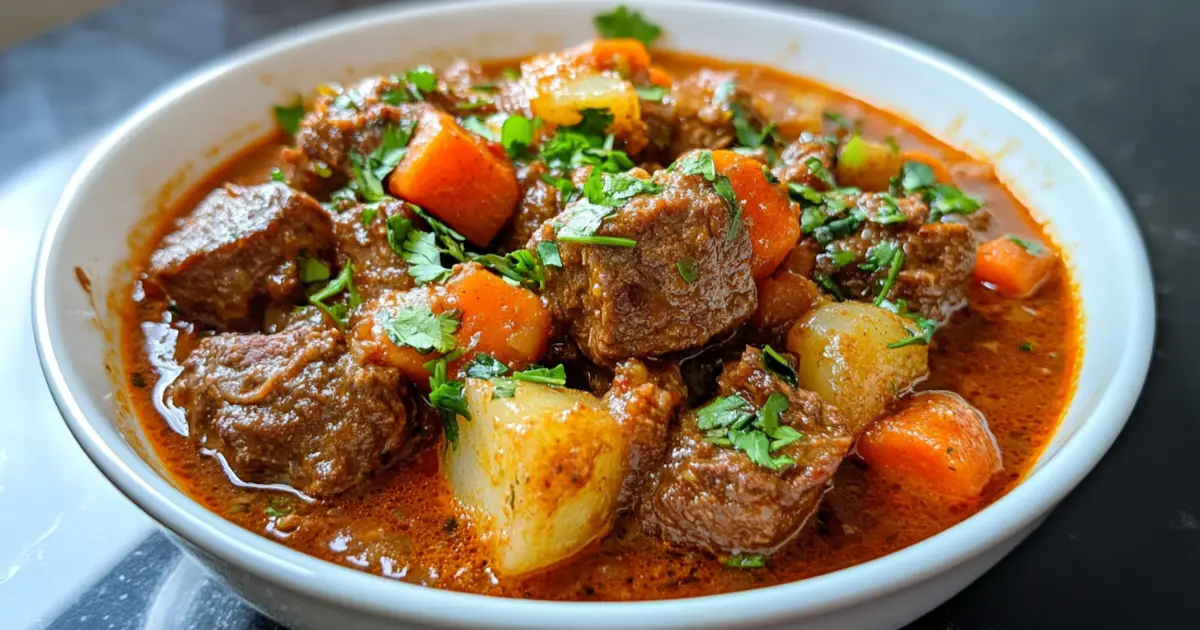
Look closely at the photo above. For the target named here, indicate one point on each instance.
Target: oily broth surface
(1015, 360)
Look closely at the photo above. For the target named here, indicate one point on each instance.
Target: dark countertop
(1123, 550)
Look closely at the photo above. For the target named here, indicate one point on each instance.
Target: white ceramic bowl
(169, 142)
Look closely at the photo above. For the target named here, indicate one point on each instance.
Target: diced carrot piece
(507, 322)
(940, 172)
(661, 77)
(457, 176)
(1011, 267)
(626, 56)
(936, 444)
(770, 219)
(510, 323)
(782, 298)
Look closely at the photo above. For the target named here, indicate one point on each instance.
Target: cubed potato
(539, 472)
(560, 101)
(867, 165)
(845, 359)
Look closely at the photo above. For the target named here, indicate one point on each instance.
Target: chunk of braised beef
(362, 240)
(623, 302)
(938, 258)
(339, 124)
(807, 161)
(238, 252)
(716, 498)
(292, 408)
(644, 398)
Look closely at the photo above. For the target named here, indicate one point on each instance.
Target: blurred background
(1122, 551)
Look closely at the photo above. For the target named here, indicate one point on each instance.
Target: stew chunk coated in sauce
(603, 323)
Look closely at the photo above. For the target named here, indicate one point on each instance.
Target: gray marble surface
(1124, 549)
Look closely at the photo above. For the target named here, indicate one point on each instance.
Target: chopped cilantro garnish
(725, 412)
(744, 128)
(688, 269)
(418, 328)
(503, 387)
(567, 192)
(582, 221)
(892, 145)
(616, 189)
(611, 241)
(586, 143)
(780, 365)
(510, 74)
(925, 327)
(746, 562)
(817, 168)
(651, 93)
(484, 365)
(943, 199)
(830, 287)
(548, 252)
(517, 134)
(1026, 346)
(417, 248)
(339, 313)
(1031, 248)
(916, 176)
(313, 270)
(278, 506)
(841, 258)
(893, 270)
(449, 398)
(697, 163)
(879, 256)
(724, 189)
(520, 267)
(889, 212)
(278, 176)
(556, 375)
(288, 116)
(475, 125)
(368, 215)
(624, 22)
(833, 230)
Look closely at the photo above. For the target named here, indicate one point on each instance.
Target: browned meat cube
(623, 302)
(292, 408)
(361, 233)
(237, 251)
(338, 124)
(644, 398)
(937, 264)
(798, 163)
(716, 498)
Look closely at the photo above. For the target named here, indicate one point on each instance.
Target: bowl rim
(325, 581)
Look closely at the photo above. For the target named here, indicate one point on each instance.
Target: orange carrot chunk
(1014, 266)
(937, 444)
(509, 323)
(457, 176)
(627, 56)
(768, 216)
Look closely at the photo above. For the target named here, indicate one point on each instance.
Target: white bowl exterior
(120, 183)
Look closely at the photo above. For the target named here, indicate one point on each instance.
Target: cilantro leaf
(879, 256)
(278, 176)
(484, 365)
(1031, 248)
(746, 562)
(288, 117)
(688, 269)
(817, 168)
(724, 189)
(743, 127)
(556, 375)
(517, 134)
(313, 270)
(615, 190)
(697, 163)
(654, 93)
(916, 176)
(781, 366)
(548, 252)
(418, 328)
(339, 313)
(624, 22)
(893, 270)
(724, 412)
(477, 126)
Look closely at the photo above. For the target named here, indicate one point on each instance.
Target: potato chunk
(844, 357)
(540, 471)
